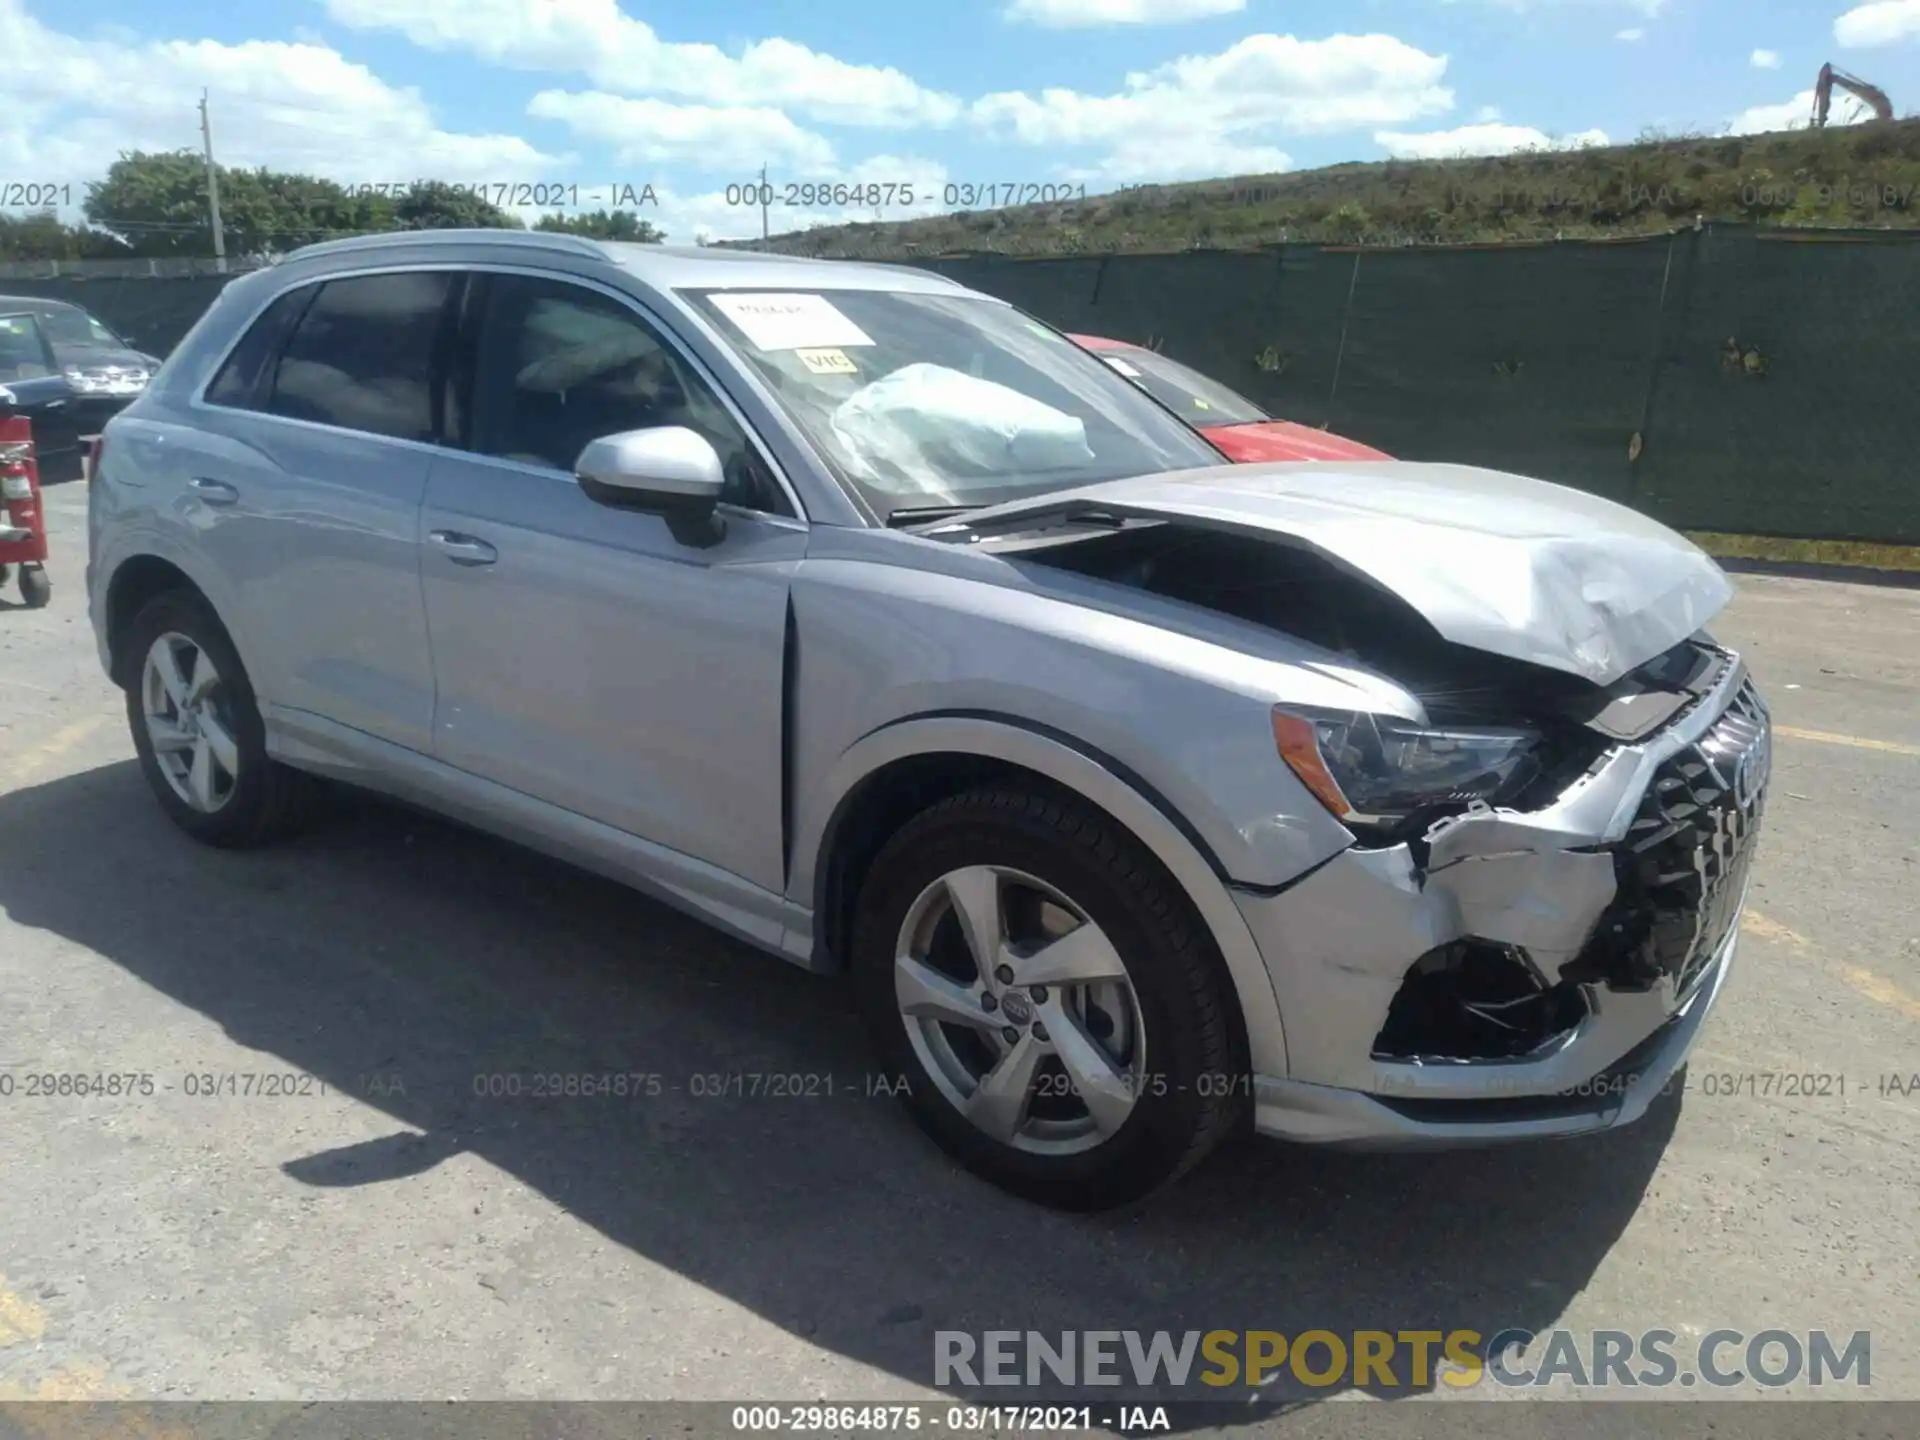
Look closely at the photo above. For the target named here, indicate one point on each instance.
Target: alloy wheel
(1020, 1010)
(189, 724)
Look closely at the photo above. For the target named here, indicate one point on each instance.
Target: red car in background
(1237, 427)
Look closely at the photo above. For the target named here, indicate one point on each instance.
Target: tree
(42, 236)
(159, 203)
(604, 225)
(435, 205)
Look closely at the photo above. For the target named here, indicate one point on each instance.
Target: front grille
(1682, 866)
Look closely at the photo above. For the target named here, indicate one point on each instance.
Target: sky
(673, 106)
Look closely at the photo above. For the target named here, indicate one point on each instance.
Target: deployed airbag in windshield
(927, 418)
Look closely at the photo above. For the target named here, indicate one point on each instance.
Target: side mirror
(668, 470)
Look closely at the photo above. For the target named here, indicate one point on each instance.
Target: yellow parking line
(1880, 990)
(1876, 988)
(69, 1383)
(1768, 928)
(62, 740)
(1858, 742)
(21, 1320)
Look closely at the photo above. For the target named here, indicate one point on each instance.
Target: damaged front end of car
(1549, 859)
(1513, 972)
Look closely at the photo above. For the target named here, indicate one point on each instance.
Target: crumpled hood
(1497, 562)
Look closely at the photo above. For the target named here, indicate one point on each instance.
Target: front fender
(1183, 717)
(1068, 766)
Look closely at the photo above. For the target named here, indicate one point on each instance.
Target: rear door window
(363, 355)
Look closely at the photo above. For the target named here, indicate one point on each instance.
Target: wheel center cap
(1016, 1006)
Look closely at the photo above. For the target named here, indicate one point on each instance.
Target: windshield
(1188, 393)
(929, 401)
(77, 327)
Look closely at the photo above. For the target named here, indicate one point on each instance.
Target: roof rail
(386, 239)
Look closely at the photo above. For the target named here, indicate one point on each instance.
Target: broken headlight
(1378, 769)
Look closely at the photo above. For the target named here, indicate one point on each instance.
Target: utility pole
(764, 197)
(213, 189)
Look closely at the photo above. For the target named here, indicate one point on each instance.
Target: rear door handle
(214, 492)
(464, 549)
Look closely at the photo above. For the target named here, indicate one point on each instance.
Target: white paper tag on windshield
(790, 322)
(1122, 366)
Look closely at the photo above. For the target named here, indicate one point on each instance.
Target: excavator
(1872, 96)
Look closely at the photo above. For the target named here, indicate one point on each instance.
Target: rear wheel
(198, 731)
(1062, 1026)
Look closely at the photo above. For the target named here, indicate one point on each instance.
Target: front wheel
(1063, 1026)
(35, 588)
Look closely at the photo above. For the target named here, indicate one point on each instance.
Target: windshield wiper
(906, 515)
(1054, 517)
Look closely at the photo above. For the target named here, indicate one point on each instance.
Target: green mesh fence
(152, 313)
(1058, 291)
(1530, 359)
(1787, 395)
(1761, 383)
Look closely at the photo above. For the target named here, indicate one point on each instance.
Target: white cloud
(1765, 59)
(1631, 34)
(1076, 14)
(1884, 22)
(1759, 119)
(1190, 112)
(1202, 116)
(1486, 114)
(300, 107)
(658, 133)
(1480, 140)
(1145, 158)
(623, 55)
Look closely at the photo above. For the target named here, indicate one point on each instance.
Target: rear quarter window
(245, 380)
(362, 357)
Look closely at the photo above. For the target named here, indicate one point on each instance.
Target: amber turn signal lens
(1300, 748)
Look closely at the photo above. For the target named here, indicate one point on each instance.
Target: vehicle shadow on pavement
(388, 946)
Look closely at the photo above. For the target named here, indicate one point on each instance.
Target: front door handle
(214, 492)
(464, 549)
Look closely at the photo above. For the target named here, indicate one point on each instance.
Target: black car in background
(32, 384)
(102, 369)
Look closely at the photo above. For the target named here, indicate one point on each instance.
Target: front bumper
(1526, 1106)
(1551, 891)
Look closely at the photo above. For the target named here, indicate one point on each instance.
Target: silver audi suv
(1141, 798)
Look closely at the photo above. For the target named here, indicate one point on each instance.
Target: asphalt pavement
(314, 1184)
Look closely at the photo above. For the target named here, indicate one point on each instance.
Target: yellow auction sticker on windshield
(828, 362)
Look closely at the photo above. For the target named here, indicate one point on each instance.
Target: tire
(262, 800)
(35, 588)
(1171, 1073)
